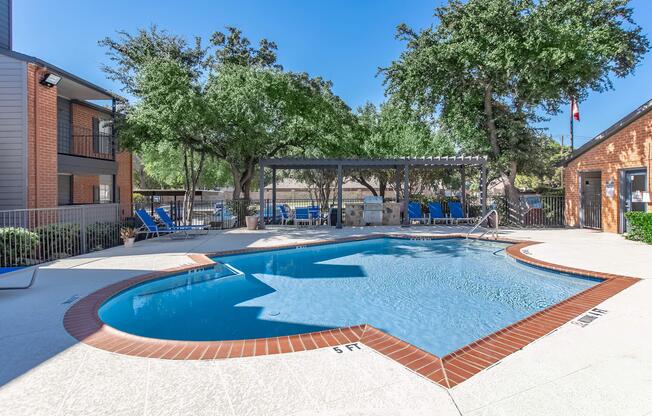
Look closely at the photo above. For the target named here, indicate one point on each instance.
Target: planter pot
(129, 242)
(252, 222)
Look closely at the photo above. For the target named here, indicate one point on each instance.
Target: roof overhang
(424, 162)
(71, 86)
(610, 131)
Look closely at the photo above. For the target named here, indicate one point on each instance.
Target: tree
(170, 113)
(490, 68)
(394, 130)
(162, 163)
(261, 112)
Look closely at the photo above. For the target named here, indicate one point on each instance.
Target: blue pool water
(438, 295)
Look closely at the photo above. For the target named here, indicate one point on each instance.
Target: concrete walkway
(604, 368)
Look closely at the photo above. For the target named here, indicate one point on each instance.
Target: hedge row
(22, 247)
(639, 226)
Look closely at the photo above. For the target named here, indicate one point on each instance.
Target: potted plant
(128, 236)
(252, 217)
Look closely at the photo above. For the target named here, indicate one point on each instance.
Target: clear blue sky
(344, 41)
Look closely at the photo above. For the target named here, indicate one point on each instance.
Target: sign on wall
(610, 188)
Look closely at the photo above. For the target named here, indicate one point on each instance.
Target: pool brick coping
(83, 323)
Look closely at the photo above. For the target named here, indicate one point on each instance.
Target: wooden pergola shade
(397, 163)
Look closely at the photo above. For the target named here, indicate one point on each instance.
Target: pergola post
(339, 196)
(406, 195)
(273, 195)
(397, 184)
(261, 196)
(483, 188)
(463, 190)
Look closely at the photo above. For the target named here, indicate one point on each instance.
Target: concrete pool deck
(602, 368)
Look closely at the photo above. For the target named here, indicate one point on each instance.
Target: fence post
(82, 230)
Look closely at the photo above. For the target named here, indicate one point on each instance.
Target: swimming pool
(438, 295)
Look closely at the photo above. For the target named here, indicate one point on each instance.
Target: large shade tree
(391, 131)
(491, 68)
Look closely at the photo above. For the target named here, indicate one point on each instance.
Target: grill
(373, 210)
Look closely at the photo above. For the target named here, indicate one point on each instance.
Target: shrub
(17, 246)
(639, 226)
(101, 235)
(59, 241)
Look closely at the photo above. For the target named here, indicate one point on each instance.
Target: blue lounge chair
(163, 216)
(286, 215)
(150, 227)
(415, 213)
(315, 214)
(302, 215)
(457, 215)
(436, 213)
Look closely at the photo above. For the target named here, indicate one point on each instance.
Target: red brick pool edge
(82, 322)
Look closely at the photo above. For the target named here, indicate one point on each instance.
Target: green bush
(59, 241)
(639, 226)
(101, 235)
(17, 246)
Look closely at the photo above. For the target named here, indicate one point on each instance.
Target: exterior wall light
(50, 79)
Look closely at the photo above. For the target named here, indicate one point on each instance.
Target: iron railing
(80, 141)
(33, 236)
(531, 211)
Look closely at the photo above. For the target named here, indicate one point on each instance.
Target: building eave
(610, 131)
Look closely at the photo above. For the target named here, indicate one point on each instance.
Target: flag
(575, 110)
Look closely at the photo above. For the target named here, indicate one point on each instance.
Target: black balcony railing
(84, 142)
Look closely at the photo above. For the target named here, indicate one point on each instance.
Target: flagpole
(571, 123)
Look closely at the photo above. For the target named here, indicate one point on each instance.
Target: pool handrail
(494, 230)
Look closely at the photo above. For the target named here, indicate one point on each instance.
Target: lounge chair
(302, 215)
(436, 213)
(415, 213)
(457, 215)
(163, 216)
(150, 227)
(315, 214)
(286, 214)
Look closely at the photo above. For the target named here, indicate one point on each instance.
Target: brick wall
(124, 182)
(629, 148)
(82, 188)
(41, 141)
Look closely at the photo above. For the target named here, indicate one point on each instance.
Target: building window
(64, 191)
(106, 189)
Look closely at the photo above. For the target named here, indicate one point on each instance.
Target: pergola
(450, 162)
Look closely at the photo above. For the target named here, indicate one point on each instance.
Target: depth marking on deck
(349, 347)
(589, 317)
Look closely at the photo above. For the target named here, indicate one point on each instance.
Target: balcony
(83, 142)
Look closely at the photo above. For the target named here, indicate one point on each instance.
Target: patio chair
(150, 227)
(457, 215)
(436, 213)
(416, 214)
(302, 215)
(31, 281)
(163, 216)
(315, 214)
(286, 214)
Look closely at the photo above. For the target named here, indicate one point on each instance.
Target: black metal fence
(531, 211)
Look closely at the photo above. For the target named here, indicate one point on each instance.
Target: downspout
(35, 104)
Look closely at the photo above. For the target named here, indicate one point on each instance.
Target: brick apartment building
(57, 144)
(610, 174)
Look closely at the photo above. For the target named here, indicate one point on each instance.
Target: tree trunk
(508, 177)
(192, 172)
(362, 181)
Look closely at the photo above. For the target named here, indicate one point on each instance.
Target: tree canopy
(491, 68)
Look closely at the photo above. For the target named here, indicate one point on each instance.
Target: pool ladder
(493, 231)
